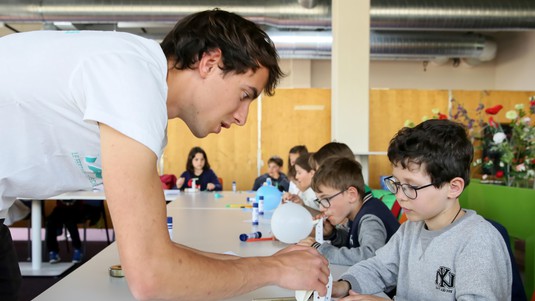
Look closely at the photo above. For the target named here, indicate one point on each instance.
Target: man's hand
(302, 268)
(307, 242)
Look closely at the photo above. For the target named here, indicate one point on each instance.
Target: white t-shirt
(55, 87)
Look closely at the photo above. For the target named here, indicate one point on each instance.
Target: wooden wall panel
(295, 117)
(390, 108)
(232, 153)
(303, 116)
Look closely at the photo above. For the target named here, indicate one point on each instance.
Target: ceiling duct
(275, 13)
(452, 15)
(391, 45)
(301, 28)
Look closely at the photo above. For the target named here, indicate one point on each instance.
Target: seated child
(293, 154)
(69, 213)
(278, 178)
(443, 252)
(303, 176)
(339, 185)
(198, 168)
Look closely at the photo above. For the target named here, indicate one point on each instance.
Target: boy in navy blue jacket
(339, 186)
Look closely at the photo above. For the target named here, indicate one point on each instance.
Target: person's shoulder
(475, 227)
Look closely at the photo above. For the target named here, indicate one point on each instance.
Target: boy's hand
(210, 186)
(340, 289)
(307, 242)
(353, 296)
(292, 198)
(180, 182)
(328, 228)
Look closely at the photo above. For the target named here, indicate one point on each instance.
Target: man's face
(222, 100)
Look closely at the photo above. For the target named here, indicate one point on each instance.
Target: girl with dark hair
(198, 169)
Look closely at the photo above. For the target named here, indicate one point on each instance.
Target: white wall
(512, 69)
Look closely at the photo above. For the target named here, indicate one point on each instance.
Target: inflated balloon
(272, 196)
(291, 223)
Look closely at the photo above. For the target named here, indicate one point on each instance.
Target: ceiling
(401, 29)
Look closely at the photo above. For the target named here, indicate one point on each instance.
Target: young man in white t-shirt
(91, 108)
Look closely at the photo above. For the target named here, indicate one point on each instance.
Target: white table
(37, 267)
(194, 227)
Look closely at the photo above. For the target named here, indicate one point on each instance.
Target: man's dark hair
(441, 146)
(243, 44)
(196, 150)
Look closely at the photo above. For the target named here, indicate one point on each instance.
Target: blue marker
(246, 236)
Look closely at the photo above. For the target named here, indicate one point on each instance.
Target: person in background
(303, 175)
(339, 185)
(277, 177)
(97, 113)
(293, 154)
(69, 213)
(334, 149)
(198, 169)
(443, 252)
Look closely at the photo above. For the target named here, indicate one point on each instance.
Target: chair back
(518, 293)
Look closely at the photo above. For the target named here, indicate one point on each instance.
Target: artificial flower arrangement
(507, 150)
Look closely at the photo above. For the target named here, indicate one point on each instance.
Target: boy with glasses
(339, 186)
(443, 252)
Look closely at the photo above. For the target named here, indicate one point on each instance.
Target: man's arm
(155, 267)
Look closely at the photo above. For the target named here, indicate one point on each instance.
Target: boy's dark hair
(304, 162)
(339, 173)
(243, 44)
(298, 149)
(196, 150)
(277, 160)
(442, 146)
(329, 150)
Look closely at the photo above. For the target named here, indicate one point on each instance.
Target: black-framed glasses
(326, 202)
(409, 190)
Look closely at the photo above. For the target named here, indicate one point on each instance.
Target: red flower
(442, 116)
(492, 123)
(494, 110)
(499, 174)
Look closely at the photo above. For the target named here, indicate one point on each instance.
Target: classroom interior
(351, 95)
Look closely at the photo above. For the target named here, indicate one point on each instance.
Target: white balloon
(291, 223)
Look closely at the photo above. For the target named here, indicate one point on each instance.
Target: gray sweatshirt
(467, 260)
(372, 235)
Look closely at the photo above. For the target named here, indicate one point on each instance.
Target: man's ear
(209, 62)
(456, 187)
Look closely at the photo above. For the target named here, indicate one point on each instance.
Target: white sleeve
(125, 91)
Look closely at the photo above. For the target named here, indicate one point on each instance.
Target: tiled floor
(33, 286)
